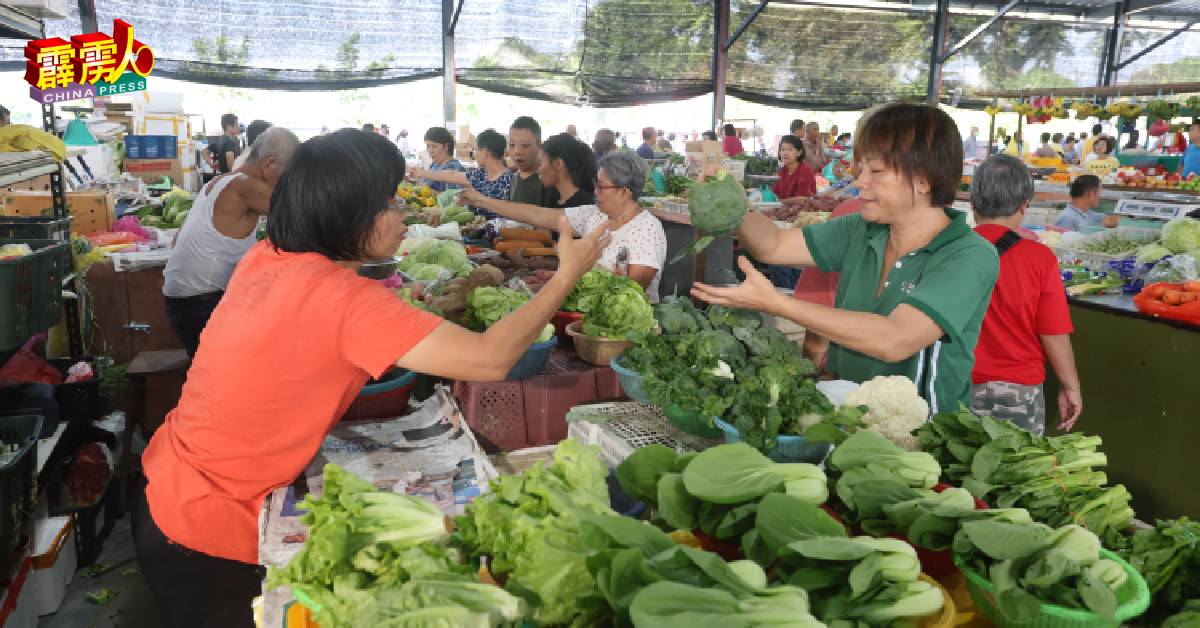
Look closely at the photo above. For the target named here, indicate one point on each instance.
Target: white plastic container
(18, 608)
(54, 562)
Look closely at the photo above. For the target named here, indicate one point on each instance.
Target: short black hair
(1084, 184)
(439, 135)
(730, 129)
(368, 127)
(1096, 129)
(796, 143)
(710, 135)
(333, 190)
(492, 142)
(796, 125)
(916, 140)
(1057, 138)
(255, 129)
(529, 124)
(228, 120)
(1045, 138)
(576, 156)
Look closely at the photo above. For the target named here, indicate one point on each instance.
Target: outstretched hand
(755, 293)
(577, 256)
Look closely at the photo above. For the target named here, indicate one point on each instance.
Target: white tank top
(203, 258)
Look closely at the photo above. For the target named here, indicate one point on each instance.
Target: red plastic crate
(608, 384)
(495, 411)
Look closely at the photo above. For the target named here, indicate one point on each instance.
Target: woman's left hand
(756, 293)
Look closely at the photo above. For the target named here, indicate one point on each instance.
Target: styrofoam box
(164, 124)
(55, 562)
(154, 101)
(21, 613)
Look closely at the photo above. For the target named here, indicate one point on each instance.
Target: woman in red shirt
(732, 145)
(296, 336)
(796, 177)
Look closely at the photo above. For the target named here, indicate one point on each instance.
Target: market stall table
(1139, 396)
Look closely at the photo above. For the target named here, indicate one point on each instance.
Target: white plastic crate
(17, 607)
(632, 427)
(736, 167)
(54, 562)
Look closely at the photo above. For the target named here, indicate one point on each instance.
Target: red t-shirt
(294, 339)
(732, 146)
(802, 182)
(1029, 301)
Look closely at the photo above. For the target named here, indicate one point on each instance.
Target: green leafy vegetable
(1181, 234)
(717, 207)
(618, 311)
(677, 605)
(489, 304)
(444, 253)
(733, 474)
(1168, 556)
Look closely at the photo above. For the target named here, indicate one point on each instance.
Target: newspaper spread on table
(430, 452)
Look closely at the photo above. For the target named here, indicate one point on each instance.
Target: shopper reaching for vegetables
(296, 336)
(915, 280)
(635, 231)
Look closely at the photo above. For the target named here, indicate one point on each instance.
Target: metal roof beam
(971, 36)
(762, 4)
(454, 18)
(1164, 39)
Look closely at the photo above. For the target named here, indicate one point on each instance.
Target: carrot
(1173, 297)
(1188, 297)
(534, 235)
(1191, 286)
(1158, 291)
(515, 245)
(544, 251)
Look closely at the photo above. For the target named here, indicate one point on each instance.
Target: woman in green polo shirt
(915, 279)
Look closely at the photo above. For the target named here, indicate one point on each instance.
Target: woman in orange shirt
(295, 338)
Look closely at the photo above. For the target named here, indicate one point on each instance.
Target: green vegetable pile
(1113, 244)
(1031, 564)
(676, 185)
(717, 206)
(717, 491)
(866, 457)
(1054, 478)
(1168, 556)
(444, 253)
(487, 305)
(379, 558)
(529, 526)
(1182, 235)
(613, 306)
(726, 363)
(762, 166)
(174, 209)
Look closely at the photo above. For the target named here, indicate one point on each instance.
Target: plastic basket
(35, 228)
(560, 320)
(31, 290)
(947, 617)
(595, 349)
(383, 400)
(1132, 600)
(78, 401)
(788, 447)
(17, 490)
(533, 362)
(631, 381)
(691, 422)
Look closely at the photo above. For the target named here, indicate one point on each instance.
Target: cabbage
(1151, 253)
(449, 197)
(717, 207)
(1182, 235)
(450, 255)
(622, 309)
(427, 272)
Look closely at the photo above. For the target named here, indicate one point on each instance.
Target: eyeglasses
(607, 187)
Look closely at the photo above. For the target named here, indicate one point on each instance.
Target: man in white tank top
(219, 229)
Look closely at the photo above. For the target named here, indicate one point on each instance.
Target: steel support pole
(1112, 44)
(87, 16)
(449, 79)
(720, 64)
(937, 51)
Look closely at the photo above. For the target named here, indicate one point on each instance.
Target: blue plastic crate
(151, 147)
(534, 361)
(788, 448)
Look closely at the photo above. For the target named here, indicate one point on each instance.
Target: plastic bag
(26, 366)
(1147, 302)
(13, 251)
(448, 231)
(1173, 269)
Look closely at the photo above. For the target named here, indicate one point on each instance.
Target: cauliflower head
(894, 408)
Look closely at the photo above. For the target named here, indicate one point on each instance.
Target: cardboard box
(124, 119)
(153, 170)
(164, 124)
(36, 184)
(92, 210)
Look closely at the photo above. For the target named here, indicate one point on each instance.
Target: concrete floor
(133, 607)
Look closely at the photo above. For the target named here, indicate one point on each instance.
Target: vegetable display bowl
(560, 320)
(788, 447)
(379, 270)
(534, 361)
(384, 399)
(1132, 600)
(691, 422)
(631, 381)
(949, 613)
(595, 349)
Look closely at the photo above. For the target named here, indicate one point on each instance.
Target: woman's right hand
(577, 256)
(471, 196)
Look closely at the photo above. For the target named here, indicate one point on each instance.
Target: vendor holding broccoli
(915, 279)
(221, 228)
(297, 335)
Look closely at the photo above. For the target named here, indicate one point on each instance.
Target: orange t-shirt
(294, 339)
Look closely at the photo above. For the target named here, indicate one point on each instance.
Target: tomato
(1173, 297)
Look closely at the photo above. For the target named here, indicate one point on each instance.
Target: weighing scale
(1162, 206)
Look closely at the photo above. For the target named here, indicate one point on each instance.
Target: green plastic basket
(788, 447)
(691, 422)
(31, 290)
(1132, 600)
(18, 478)
(35, 227)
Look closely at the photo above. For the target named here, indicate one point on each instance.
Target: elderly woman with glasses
(639, 244)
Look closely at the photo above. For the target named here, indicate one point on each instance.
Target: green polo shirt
(950, 280)
(526, 190)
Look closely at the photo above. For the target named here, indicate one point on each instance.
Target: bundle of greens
(374, 557)
(717, 206)
(1031, 564)
(866, 457)
(762, 166)
(1054, 478)
(647, 580)
(726, 363)
(1168, 556)
(170, 215)
(716, 491)
(870, 581)
(529, 526)
(486, 305)
(444, 253)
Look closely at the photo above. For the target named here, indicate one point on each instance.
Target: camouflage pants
(1023, 406)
